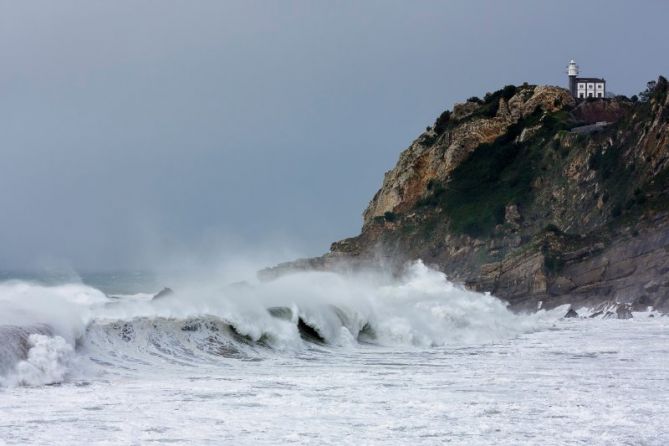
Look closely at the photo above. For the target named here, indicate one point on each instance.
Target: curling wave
(42, 327)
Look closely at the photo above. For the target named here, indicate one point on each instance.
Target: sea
(318, 358)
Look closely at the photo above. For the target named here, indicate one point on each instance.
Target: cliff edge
(532, 196)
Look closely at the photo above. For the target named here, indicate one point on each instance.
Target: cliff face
(438, 151)
(521, 195)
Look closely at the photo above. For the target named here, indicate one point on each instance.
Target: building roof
(589, 79)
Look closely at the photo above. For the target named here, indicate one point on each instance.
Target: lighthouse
(572, 71)
(584, 87)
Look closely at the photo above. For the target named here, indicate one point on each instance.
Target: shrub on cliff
(491, 100)
(654, 89)
(434, 196)
(442, 122)
(552, 227)
(508, 92)
(493, 176)
(390, 216)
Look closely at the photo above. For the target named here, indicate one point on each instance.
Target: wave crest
(205, 322)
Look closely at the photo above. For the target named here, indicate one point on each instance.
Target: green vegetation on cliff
(521, 194)
(524, 195)
(494, 175)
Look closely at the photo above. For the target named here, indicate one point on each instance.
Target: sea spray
(48, 361)
(66, 309)
(211, 322)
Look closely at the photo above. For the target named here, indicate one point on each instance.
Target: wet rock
(642, 303)
(571, 313)
(609, 315)
(662, 304)
(651, 286)
(624, 311)
(596, 313)
(560, 285)
(163, 293)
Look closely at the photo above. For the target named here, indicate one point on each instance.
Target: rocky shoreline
(508, 194)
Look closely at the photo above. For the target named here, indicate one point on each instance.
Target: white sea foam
(339, 359)
(420, 309)
(48, 361)
(66, 309)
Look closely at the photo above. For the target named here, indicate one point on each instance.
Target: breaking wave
(47, 362)
(45, 330)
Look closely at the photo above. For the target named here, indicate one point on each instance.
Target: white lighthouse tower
(584, 87)
(572, 72)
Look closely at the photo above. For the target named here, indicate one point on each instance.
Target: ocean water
(320, 358)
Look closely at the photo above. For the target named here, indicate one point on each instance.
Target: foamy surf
(303, 359)
(47, 362)
(208, 323)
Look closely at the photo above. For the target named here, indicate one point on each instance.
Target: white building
(584, 87)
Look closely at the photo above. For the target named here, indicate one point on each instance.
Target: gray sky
(131, 129)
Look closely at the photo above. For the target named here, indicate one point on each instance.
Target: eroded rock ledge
(501, 195)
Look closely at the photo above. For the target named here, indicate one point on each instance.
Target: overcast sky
(131, 129)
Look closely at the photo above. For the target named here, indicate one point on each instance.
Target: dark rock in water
(609, 315)
(571, 313)
(662, 304)
(651, 315)
(596, 313)
(163, 293)
(624, 311)
(642, 303)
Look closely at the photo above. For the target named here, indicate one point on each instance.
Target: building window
(591, 94)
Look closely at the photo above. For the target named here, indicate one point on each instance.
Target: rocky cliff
(532, 196)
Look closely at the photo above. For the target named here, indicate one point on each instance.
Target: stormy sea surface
(319, 358)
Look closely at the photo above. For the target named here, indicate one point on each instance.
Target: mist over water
(314, 357)
(419, 309)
